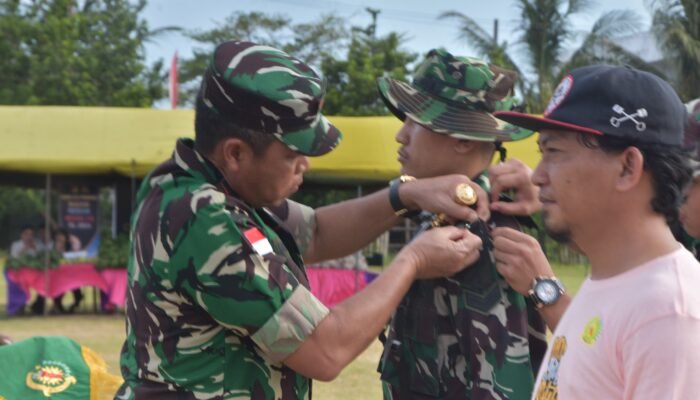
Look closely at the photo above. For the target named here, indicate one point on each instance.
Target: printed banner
(78, 216)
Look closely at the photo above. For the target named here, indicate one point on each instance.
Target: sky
(417, 19)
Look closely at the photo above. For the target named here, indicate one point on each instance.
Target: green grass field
(105, 334)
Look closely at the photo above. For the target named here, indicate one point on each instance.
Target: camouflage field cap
(267, 90)
(456, 96)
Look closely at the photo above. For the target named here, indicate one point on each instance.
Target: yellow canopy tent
(131, 141)
(38, 143)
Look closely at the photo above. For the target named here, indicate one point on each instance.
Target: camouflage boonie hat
(267, 90)
(456, 96)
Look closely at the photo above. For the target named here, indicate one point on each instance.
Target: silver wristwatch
(545, 291)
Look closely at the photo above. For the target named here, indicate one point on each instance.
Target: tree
(599, 45)
(546, 32)
(18, 207)
(309, 42)
(486, 45)
(352, 83)
(15, 84)
(676, 24)
(71, 52)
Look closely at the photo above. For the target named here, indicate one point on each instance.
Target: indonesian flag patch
(257, 241)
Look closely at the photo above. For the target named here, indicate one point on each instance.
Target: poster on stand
(78, 217)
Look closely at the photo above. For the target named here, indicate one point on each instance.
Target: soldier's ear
(465, 146)
(234, 153)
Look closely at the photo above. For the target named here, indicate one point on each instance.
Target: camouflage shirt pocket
(420, 351)
(480, 285)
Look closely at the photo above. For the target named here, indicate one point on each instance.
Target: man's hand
(441, 252)
(519, 258)
(513, 174)
(438, 195)
(355, 323)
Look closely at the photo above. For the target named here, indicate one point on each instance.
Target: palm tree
(485, 44)
(676, 24)
(546, 31)
(599, 46)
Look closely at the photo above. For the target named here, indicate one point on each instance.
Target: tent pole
(47, 235)
(359, 252)
(133, 185)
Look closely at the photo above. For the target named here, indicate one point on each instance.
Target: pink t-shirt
(633, 336)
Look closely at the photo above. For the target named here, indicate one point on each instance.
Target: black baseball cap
(611, 100)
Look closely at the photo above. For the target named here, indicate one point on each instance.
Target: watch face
(547, 291)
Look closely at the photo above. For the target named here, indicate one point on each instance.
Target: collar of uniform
(483, 181)
(190, 160)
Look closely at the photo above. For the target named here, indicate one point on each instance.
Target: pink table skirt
(68, 277)
(331, 285)
(116, 281)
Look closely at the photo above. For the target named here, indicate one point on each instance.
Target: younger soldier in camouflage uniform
(469, 336)
(218, 302)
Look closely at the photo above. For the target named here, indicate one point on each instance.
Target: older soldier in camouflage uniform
(218, 302)
(469, 336)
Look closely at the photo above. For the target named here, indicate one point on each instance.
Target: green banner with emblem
(56, 368)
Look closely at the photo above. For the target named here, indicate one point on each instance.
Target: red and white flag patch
(258, 241)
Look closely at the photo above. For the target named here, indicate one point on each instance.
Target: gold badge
(465, 195)
(439, 220)
(50, 377)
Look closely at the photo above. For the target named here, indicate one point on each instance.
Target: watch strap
(397, 205)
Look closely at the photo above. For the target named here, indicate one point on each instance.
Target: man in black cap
(218, 303)
(611, 178)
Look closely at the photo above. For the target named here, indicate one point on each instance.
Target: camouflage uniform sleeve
(250, 294)
(299, 220)
(287, 329)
